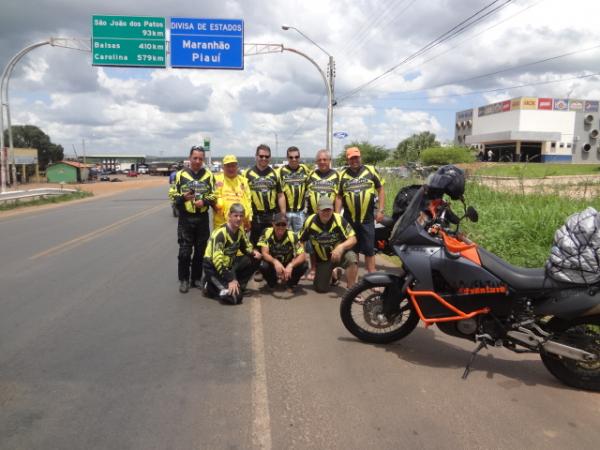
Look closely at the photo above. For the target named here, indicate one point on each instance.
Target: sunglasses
(293, 157)
(281, 224)
(264, 156)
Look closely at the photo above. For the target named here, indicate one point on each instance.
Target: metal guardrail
(33, 193)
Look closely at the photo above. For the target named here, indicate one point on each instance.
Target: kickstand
(481, 345)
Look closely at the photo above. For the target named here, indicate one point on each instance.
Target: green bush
(446, 155)
(517, 227)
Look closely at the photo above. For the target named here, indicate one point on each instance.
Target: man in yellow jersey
(230, 188)
(265, 189)
(283, 256)
(293, 186)
(323, 181)
(226, 273)
(359, 185)
(332, 239)
(192, 192)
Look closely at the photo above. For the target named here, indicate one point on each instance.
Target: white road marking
(94, 234)
(261, 422)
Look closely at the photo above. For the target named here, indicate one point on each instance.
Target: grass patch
(517, 227)
(14, 204)
(524, 170)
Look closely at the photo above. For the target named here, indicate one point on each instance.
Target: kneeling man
(332, 239)
(282, 253)
(226, 274)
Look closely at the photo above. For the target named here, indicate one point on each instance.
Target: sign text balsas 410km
(134, 41)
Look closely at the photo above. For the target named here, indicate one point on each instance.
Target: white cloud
(167, 110)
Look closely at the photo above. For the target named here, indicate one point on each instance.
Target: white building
(533, 129)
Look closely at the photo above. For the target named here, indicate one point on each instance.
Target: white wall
(495, 123)
(562, 122)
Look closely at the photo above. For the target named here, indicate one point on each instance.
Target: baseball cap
(279, 218)
(352, 151)
(228, 159)
(324, 203)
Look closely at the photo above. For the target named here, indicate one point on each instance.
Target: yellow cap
(228, 159)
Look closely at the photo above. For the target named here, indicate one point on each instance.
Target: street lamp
(327, 78)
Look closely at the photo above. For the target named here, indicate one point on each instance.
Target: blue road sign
(340, 134)
(207, 43)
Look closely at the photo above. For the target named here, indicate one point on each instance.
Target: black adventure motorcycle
(470, 293)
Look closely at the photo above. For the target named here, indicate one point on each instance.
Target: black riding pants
(192, 234)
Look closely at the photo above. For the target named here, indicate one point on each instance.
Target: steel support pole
(4, 104)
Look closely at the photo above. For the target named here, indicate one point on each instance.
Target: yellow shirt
(229, 191)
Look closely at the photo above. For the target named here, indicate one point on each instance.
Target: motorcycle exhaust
(529, 339)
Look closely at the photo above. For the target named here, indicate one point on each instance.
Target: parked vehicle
(132, 173)
(470, 293)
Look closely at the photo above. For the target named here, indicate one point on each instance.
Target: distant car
(104, 178)
(132, 173)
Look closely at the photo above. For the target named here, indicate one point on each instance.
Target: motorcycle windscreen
(409, 217)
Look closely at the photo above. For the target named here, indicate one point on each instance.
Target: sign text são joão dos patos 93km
(128, 41)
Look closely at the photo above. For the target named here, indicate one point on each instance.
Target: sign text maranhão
(207, 43)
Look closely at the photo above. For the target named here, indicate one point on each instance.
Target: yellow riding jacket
(203, 185)
(229, 191)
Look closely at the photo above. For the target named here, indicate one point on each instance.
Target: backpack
(403, 198)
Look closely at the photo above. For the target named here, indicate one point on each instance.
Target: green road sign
(128, 41)
(207, 144)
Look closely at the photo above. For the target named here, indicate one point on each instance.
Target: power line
(454, 31)
(363, 37)
(508, 69)
(506, 88)
(470, 38)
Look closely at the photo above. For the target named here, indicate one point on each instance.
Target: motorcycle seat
(519, 278)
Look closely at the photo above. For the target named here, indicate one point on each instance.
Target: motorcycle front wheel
(362, 313)
(582, 333)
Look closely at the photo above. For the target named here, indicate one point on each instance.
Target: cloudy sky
(281, 96)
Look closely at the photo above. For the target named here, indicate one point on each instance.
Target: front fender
(384, 279)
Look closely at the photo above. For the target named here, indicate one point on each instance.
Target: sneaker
(198, 284)
(184, 286)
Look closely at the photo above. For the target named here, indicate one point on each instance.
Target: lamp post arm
(329, 93)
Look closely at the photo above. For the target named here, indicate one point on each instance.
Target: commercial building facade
(535, 129)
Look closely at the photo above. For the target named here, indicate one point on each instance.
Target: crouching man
(332, 239)
(282, 253)
(227, 274)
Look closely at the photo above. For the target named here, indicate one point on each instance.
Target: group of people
(266, 221)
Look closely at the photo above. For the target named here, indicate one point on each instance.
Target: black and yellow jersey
(358, 191)
(264, 187)
(293, 186)
(318, 184)
(284, 249)
(202, 183)
(222, 247)
(325, 237)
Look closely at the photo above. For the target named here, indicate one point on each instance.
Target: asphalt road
(99, 350)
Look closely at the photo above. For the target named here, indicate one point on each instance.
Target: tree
(410, 148)
(370, 154)
(30, 136)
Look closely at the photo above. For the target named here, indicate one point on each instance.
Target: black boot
(184, 286)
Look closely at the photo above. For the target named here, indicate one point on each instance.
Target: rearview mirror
(471, 214)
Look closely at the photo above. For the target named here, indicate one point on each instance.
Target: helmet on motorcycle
(448, 180)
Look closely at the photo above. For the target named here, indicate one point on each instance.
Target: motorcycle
(471, 293)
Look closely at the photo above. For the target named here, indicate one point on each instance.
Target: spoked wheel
(362, 313)
(583, 333)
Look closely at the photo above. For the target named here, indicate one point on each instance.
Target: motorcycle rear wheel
(582, 333)
(361, 312)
